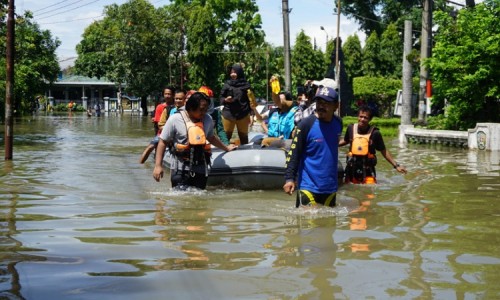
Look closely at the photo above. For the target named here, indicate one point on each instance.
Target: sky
(67, 19)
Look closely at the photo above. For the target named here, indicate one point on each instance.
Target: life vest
(360, 166)
(360, 143)
(196, 150)
(281, 124)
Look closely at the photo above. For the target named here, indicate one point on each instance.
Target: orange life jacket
(197, 150)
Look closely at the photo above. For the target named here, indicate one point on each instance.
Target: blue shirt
(313, 158)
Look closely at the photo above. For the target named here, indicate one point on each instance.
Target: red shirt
(159, 109)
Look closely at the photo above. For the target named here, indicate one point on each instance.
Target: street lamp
(323, 28)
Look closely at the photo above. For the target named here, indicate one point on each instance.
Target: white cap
(328, 82)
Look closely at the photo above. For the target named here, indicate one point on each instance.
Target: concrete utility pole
(425, 52)
(407, 70)
(9, 82)
(286, 44)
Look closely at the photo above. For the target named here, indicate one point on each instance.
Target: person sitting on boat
(364, 140)
(188, 135)
(280, 120)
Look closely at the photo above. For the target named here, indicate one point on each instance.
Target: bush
(377, 90)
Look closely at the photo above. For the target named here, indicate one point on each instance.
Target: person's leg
(179, 179)
(152, 146)
(305, 198)
(242, 126)
(228, 127)
(199, 180)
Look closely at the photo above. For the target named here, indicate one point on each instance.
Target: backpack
(360, 142)
(197, 150)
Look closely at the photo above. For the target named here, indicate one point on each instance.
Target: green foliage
(35, 61)
(376, 15)
(379, 90)
(466, 65)
(353, 55)
(436, 122)
(202, 48)
(371, 60)
(127, 46)
(391, 53)
(307, 62)
(388, 126)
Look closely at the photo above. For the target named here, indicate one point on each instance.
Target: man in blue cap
(313, 157)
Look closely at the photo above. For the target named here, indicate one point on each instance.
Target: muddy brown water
(82, 219)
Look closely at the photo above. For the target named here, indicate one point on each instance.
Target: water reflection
(77, 208)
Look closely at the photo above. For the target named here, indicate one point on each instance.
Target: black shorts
(307, 198)
(182, 179)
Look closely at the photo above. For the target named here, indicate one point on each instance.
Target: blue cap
(327, 93)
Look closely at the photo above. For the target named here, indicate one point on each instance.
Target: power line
(73, 20)
(46, 7)
(68, 10)
(56, 9)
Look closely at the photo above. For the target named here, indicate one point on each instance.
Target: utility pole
(286, 44)
(407, 71)
(337, 71)
(425, 91)
(9, 82)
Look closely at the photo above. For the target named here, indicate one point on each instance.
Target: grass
(388, 126)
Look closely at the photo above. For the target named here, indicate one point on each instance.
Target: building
(88, 92)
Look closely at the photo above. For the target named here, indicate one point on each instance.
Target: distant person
(236, 101)
(364, 141)
(187, 135)
(313, 157)
(307, 106)
(97, 110)
(180, 98)
(166, 104)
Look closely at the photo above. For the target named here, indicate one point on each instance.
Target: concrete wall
(486, 136)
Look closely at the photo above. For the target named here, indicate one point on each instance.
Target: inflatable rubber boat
(250, 167)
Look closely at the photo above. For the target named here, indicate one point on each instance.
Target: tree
(391, 53)
(375, 15)
(353, 57)
(465, 65)
(36, 65)
(127, 46)
(307, 63)
(203, 48)
(371, 60)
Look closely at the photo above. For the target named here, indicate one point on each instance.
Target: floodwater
(82, 219)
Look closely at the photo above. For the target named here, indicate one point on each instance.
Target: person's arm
(293, 158)
(342, 142)
(160, 152)
(214, 140)
(346, 139)
(387, 155)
